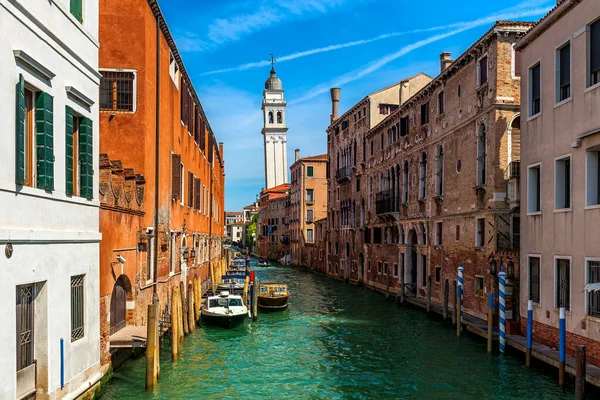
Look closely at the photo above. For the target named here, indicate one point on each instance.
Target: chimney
(404, 91)
(445, 61)
(335, 99)
(221, 150)
(297, 155)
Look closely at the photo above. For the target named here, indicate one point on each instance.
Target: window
(117, 91)
(369, 266)
(190, 193)
(440, 102)
(174, 70)
(423, 176)
(309, 236)
(594, 49)
(593, 276)
(382, 141)
(535, 86)
(76, 9)
(174, 254)
(379, 267)
(516, 63)
(563, 183)
(396, 270)
(377, 235)
(480, 232)
(176, 176)
(534, 188)
(182, 179)
(459, 90)
(479, 286)
(35, 138)
(197, 194)
(372, 148)
(438, 274)
(482, 71)
(310, 216)
(563, 283)
(310, 196)
(423, 232)
(481, 155)
(563, 73)
(279, 117)
(358, 183)
(424, 113)
(79, 155)
(270, 117)
(534, 279)
(404, 125)
(345, 124)
(592, 173)
(439, 172)
(423, 270)
(457, 235)
(77, 307)
(438, 233)
(386, 270)
(364, 149)
(405, 183)
(309, 172)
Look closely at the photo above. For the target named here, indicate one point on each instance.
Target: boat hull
(273, 302)
(225, 321)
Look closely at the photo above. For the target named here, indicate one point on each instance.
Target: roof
(284, 187)
(444, 75)
(318, 158)
(234, 212)
(560, 9)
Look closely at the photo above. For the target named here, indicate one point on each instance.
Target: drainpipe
(156, 157)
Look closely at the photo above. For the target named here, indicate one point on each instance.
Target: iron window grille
(77, 307)
(594, 297)
(595, 53)
(25, 311)
(534, 279)
(116, 91)
(563, 284)
(564, 74)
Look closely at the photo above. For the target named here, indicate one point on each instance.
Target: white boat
(227, 310)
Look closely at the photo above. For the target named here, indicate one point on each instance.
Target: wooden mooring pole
(490, 320)
(446, 290)
(580, 372)
(458, 311)
(186, 329)
(454, 309)
(190, 316)
(174, 324)
(429, 293)
(151, 375)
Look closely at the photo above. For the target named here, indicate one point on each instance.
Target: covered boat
(226, 310)
(273, 295)
(263, 263)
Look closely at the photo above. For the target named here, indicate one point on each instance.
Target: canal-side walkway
(539, 351)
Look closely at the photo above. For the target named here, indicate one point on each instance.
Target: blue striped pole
(460, 290)
(62, 363)
(561, 347)
(490, 321)
(501, 278)
(529, 333)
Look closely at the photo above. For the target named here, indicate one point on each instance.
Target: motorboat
(232, 282)
(264, 263)
(273, 295)
(226, 310)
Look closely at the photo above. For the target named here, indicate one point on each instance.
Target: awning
(592, 287)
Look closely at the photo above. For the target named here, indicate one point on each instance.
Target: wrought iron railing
(514, 169)
(386, 202)
(343, 174)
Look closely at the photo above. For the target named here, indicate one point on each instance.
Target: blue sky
(358, 45)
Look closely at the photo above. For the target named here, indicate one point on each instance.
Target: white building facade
(274, 132)
(49, 208)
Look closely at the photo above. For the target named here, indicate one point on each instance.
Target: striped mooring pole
(529, 333)
(502, 303)
(460, 292)
(562, 339)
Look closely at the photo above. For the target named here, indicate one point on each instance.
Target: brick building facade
(272, 226)
(151, 120)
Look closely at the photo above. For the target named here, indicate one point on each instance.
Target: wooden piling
(490, 319)
(458, 313)
(174, 324)
(446, 290)
(455, 291)
(402, 284)
(580, 372)
(186, 329)
(256, 285)
(429, 293)
(151, 373)
(178, 311)
(190, 316)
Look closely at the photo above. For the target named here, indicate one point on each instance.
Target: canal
(335, 341)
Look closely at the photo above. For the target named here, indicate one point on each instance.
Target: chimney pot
(297, 155)
(445, 61)
(335, 99)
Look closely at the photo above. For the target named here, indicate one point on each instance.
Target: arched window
(481, 156)
(405, 183)
(270, 117)
(439, 177)
(279, 120)
(423, 176)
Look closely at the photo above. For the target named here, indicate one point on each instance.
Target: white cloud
(380, 62)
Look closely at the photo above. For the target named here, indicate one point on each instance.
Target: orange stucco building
(162, 173)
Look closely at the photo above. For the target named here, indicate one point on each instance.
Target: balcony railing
(310, 220)
(386, 202)
(514, 170)
(343, 174)
(310, 202)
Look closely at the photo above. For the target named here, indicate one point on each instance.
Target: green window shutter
(20, 131)
(86, 158)
(77, 9)
(44, 141)
(69, 150)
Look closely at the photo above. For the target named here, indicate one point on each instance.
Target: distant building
(49, 206)
(272, 228)
(308, 203)
(234, 226)
(249, 212)
(560, 170)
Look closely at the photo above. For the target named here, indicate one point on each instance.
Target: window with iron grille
(534, 279)
(594, 66)
(535, 90)
(563, 72)
(77, 307)
(563, 283)
(25, 326)
(117, 91)
(593, 276)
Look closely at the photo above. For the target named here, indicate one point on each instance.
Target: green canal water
(336, 341)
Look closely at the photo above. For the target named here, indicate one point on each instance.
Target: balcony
(514, 184)
(386, 202)
(343, 174)
(310, 202)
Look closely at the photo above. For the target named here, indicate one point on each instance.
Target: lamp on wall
(193, 254)
(493, 267)
(184, 253)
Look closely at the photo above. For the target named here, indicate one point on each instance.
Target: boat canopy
(224, 302)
